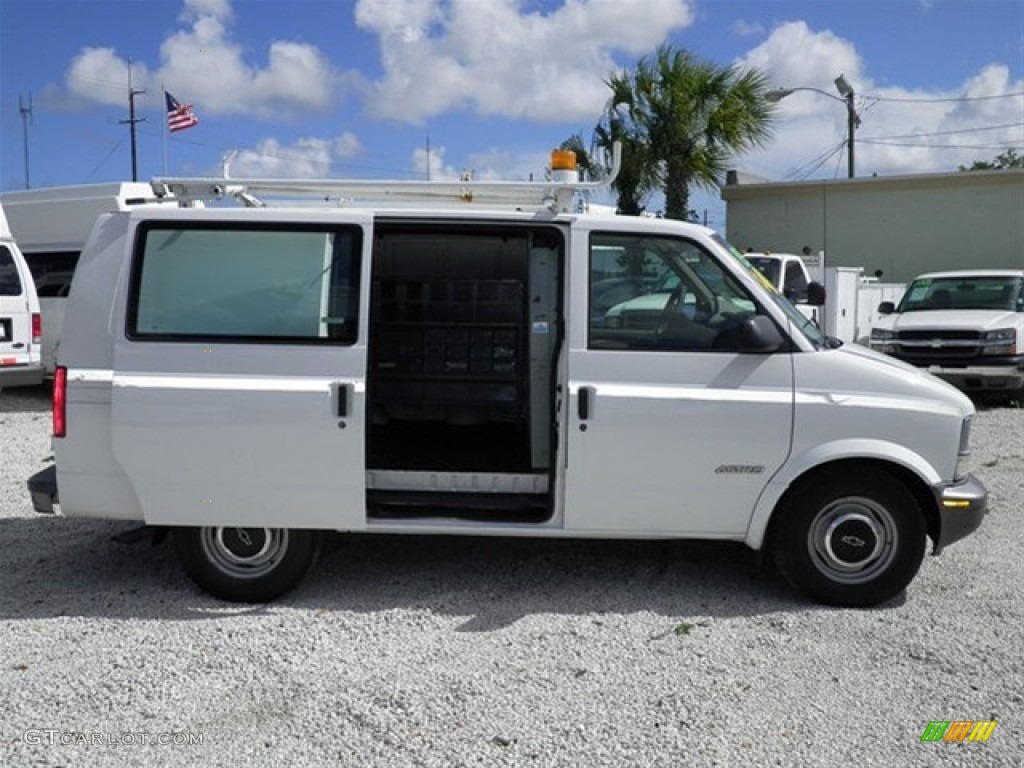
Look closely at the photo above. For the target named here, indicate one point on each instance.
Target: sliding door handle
(344, 391)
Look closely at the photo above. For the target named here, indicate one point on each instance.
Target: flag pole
(163, 130)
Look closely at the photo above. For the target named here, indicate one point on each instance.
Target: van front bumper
(962, 507)
(42, 486)
(983, 378)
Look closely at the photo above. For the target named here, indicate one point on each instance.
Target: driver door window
(659, 293)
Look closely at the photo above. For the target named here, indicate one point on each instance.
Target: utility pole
(132, 120)
(852, 120)
(26, 118)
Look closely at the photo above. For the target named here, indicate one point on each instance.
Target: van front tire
(246, 565)
(851, 539)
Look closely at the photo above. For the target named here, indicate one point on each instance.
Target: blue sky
(354, 88)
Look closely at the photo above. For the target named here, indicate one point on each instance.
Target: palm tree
(635, 179)
(693, 116)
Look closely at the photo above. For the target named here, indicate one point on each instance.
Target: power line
(804, 171)
(939, 146)
(106, 157)
(947, 100)
(949, 133)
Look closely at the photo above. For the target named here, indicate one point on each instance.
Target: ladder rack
(557, 194)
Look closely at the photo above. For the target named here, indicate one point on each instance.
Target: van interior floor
(423, 446)
(429, 445)
(483, 507)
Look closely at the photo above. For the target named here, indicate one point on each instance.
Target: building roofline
(739, 183)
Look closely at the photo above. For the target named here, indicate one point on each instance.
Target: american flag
(179, 116)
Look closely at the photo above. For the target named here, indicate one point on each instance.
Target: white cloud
(307, 158)
(795, 55)
(495, 59)
(195, 9)
(421, 160)
(743, 28)
(100, 75)
(901, 131)
(201, 63)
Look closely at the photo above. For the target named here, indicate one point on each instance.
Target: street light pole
(852, 118)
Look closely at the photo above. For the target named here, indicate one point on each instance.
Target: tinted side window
(52, 271)
(245, 283)
(795, 285)
(10, 283)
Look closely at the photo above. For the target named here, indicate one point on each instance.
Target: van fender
(820, 455)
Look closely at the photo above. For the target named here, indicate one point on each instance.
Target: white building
(899, 225)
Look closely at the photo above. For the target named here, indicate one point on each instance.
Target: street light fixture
(852, 118)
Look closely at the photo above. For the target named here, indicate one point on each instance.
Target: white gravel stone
(408, 651)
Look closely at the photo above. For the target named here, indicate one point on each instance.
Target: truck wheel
(855, 539)
(247, 565)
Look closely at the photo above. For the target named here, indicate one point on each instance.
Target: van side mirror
(886, 308)
(759, 334)
(815, 294)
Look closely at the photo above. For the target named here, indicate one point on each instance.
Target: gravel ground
(403, 651)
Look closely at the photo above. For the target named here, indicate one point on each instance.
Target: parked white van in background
(20, 319)
(51, 225)
(249, 379)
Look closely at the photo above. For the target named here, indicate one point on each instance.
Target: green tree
(1009, 159)
(692, 116)
(635, 180)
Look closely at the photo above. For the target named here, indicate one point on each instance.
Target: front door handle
(584, 401)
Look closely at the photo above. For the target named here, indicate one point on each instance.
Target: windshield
(801, 323)
(966, 292)
(768, 266)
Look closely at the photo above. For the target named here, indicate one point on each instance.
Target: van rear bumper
(962, 507)
(22, 375)
(42, 486)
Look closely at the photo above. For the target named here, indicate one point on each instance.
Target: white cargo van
(251, 378)
(51, 225)
(20, 320)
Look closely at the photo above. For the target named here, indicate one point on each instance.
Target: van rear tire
(246, 565)
(852, 539)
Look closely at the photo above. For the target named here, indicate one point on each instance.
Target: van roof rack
(558, 194)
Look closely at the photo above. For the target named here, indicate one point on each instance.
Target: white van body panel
(853, 403)
(247, 432)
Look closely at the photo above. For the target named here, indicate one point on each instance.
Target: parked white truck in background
(789, 275)
(51, 225)
(248, 379)
(851, 299)
(966, 327)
